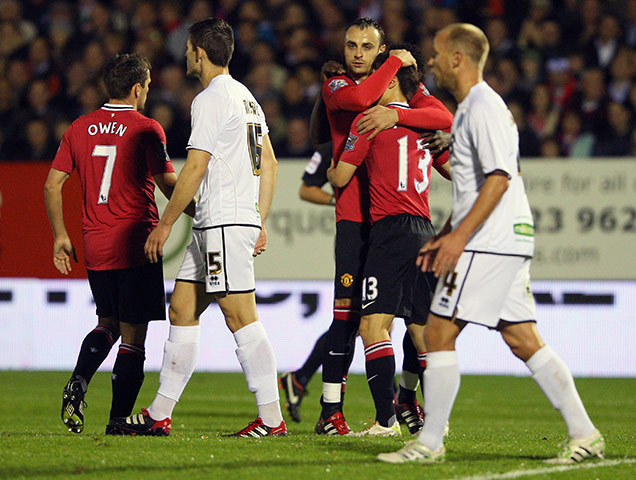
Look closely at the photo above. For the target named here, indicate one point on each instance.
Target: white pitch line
(548, 470)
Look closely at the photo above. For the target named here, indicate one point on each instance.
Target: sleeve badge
(351, 142)
(337, 83)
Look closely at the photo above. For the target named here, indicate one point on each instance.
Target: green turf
(499, 424)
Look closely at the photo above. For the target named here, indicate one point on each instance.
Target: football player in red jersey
(398, 166)
(344, 97)
(119, 155)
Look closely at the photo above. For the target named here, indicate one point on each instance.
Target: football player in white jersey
(482, 257)
(232, 165)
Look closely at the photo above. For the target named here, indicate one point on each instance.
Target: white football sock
(441, 384)
(180, 354)
(555, 379)
(257, 359)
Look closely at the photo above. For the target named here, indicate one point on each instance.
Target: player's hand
(330, 170)
(331, 69)
(261, 243)
(155, 242)
(436, 141)
(62, 252)
(440, 255)
(405, 56)
(376, 119)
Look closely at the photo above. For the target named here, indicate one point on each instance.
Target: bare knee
(110, 323)
(440, 334)
(523, 339)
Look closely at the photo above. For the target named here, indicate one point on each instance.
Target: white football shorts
(486, 289)
(221, 257)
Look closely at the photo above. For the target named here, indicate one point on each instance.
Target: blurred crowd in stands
(567, 68)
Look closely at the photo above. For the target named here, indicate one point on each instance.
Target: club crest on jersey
(424, 89)
(346, 280)
(351, 141)
(337, 83)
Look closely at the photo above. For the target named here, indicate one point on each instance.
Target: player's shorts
(392, 282)
(221, 258)
(486, 289)
(135, 295)
(352, 245)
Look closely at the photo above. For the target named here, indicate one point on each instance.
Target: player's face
(143, 94)
(440, 62)
(193, 68)
(361, 47)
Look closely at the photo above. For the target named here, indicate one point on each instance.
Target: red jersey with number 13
(116, 151)
(398, 166)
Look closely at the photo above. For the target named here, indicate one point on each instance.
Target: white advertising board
(590, 324)
(585, 218)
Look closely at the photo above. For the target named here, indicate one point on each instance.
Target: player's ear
(383, 48)
(456, 58)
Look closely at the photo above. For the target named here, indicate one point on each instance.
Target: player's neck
(210, 72)
(465, 81)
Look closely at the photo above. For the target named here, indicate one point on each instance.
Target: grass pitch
(501, 427)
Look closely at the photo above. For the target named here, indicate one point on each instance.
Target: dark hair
(122, 72)
(366, 22)
(409, 77)
(215, 36)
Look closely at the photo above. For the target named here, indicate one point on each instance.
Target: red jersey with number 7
(398, 167)
(116, 151)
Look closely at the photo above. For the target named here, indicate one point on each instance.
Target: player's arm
(443, 169)
(356, 98)
(186, 187)
(339, 175)
(428, 113)
(62, 245)
(166, 182)
(319, 130)
(315, 194)
(269, 174)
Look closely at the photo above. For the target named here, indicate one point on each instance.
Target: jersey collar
(398, 105)
(112, 107)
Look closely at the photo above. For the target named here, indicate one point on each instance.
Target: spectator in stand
(544, 115)
(615, 139)
(590, 100)
(622, 73)
(177, 129)
(574, 141)
(297, 143)
(603, 47)
(590, 16)
(38, 141)
(550, 148)
(529, 145)
(630, 23)
(531, 71)
(501, 45)
(531, 34)
(561, 82)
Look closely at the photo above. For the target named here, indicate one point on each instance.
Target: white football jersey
(228, 123)
(484, 139)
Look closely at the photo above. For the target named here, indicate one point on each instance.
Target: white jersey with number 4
(484, 139)
(229, 124)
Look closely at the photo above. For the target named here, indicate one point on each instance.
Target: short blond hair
(469, 39)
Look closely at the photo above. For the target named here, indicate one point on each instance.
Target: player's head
(212, 36)
(127, 74)
(364, 40)
(407, 79)
(458, 47)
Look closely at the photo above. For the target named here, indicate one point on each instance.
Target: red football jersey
(116, 151)
(344, 99)
(398, 167)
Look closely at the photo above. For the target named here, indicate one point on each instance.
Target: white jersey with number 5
(229, 124)
(485, 139)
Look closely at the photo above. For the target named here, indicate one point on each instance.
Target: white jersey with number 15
(229, 124)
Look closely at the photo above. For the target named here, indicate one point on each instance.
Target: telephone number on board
(586, 219)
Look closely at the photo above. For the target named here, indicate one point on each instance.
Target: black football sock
(380, 366)
(411, 364)
(128, 376)
(338, 353)
(304, 373)
(94, 350)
